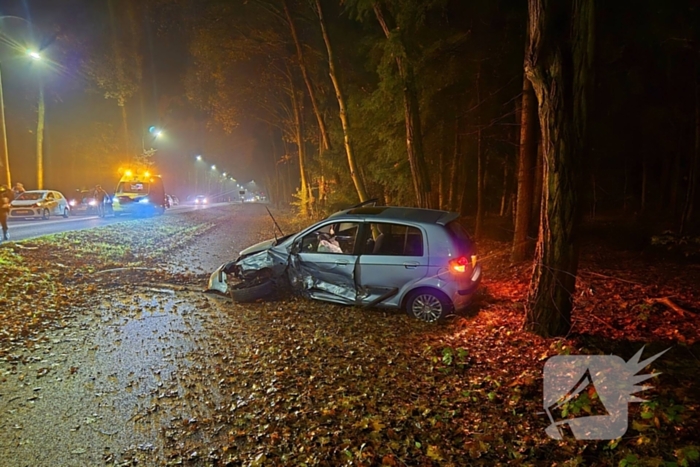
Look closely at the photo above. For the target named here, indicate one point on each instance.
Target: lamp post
(3, 145)
(196, 174)
(5, 159)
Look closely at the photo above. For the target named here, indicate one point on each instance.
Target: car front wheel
(66, 213)
(428, 305)
(45, 214)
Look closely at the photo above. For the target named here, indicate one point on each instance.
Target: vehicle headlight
(72, 202)
(92, 202)
(144, 201)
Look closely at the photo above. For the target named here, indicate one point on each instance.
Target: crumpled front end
(269, 264)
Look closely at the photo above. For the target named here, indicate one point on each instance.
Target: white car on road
(39, 203)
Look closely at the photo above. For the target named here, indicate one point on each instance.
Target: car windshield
(31, 196)
(132, 187)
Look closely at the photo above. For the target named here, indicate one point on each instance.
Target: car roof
(389, 213)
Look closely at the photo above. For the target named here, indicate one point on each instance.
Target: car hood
(262, 246)
(25, 202)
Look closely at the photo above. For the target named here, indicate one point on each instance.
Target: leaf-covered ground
(45, 281)
(296, 382)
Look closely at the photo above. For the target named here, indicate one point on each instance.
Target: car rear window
(459, 235)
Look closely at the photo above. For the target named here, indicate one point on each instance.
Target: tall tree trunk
(41, 114)
(299, 137)
(644, 184)
(558, 63)
(694, 159)
(452, 194)
(538, 187)
(325, 141)
(527, 167)
(480, 166)
(125, 128)
(344, 121)
(504, 192)
(414, 132)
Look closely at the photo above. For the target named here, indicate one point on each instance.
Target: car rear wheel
(45, 214)
(428, 305)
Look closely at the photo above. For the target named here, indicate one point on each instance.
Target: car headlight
(72, 202)
(205, 201)
(144, 201)
(92, 202)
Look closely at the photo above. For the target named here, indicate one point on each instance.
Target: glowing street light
(213, 167)
(199, 158)
(34, 54)
(4, 154)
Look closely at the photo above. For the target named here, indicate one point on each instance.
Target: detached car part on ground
(421, 260)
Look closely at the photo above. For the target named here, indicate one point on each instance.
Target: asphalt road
(31, 228)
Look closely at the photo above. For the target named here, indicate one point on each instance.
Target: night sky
(75, 109)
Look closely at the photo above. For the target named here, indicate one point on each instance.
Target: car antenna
(276, 224)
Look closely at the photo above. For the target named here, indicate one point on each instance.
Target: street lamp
(5, 160)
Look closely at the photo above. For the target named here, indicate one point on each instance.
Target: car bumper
(26, 212)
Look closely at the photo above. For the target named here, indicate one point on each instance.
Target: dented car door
(323, 262)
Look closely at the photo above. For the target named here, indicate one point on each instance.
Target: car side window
(394, 240)
(338, 238)
(49, 195)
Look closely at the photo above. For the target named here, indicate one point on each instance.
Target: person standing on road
(6, 196)
(100, 195)
(19, 189)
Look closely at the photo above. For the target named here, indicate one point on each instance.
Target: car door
(394, 257)
(324, 261)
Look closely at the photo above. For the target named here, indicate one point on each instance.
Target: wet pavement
(100, 390)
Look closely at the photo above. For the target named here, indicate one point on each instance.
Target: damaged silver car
(420, 260)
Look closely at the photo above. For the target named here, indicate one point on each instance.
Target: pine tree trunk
(558, 63)
(527, 167)
(325, 141)
(414, 133)
(694, 160)
(478, 230)
(299, 137)
(452, 193)
(344, 121)
(538, 188)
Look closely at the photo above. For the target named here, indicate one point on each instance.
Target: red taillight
(460, 264)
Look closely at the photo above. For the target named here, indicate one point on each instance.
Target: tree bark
(299, 137)
(694, 159)
(537, 189)
(41, 115)
(344, 121)
(414, 134)
(558, 63)
(527, 167)
(478, 230)
(325, 141)
(452, 194)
